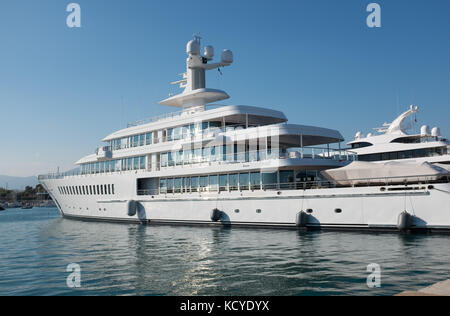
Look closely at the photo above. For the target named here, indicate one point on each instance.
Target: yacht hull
(350, 208)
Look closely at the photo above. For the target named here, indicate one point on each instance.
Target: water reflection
(120, 259)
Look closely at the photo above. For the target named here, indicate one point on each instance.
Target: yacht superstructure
(235, 165)
(394, 143)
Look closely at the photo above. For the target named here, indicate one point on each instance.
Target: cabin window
(255, 180)
(177, 133)
(164, 159)
(143, 162)
(203, 183)
(112, 187)
(214, 183)
(244, 181)
(179, 157)
(177, 185)
(169, 185)
(361, 145)
(187, 156)
(135, 141)
(198, 155)
(194, 184)
(286, 178)
(269, 180)
(170, 134)
(163, 186)
(223, 182)
(148, 138)
(213, 153)
(187, 184)
(234, 181)
(184, 131)
(142, 140)
(170, 159)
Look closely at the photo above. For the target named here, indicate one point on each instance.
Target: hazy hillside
(17, 183)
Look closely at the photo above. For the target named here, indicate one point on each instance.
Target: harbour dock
(438, 289)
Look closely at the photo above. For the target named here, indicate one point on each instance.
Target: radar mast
(194, 79)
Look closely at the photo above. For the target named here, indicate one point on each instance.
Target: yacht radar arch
(398, 126)
(194, 79)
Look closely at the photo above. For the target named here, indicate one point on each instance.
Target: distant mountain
(18, 183)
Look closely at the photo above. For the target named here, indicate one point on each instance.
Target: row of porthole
(87, 208)
(337, 210)
(309, 211)
(259, 211)
(430, 187)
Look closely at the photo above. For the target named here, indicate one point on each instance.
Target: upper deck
(223, 114)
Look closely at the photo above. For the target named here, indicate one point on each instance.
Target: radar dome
(359, 135)
(193, 47)
(209, 52)
(369, 135)
(227, 56)
(425, 130)
(435, 132)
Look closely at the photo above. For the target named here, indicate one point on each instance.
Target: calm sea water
(119, 259)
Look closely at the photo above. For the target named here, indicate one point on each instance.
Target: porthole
(338, 211)
(236, 211)
(430, 187)
(309, 211)
(258, 211)
(383, 189)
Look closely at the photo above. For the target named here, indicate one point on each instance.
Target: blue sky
(315, 60)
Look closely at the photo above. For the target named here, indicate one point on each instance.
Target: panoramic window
(269, 180)
(223, 182)
(255, 180)
(194, 184)
(233, 181)
(148, 138)
(244, 180)
(214, 183)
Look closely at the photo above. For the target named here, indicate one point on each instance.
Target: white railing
(306, 185)
(166, 116)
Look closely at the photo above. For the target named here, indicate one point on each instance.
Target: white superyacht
(242, 165)
(393, 142)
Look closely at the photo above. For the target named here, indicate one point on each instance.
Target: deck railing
(166, 116)
(414, 183)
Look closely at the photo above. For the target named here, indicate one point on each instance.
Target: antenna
(121, 112)
(193, 81)
(140, 107)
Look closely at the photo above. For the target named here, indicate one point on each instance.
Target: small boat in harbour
(27, 207)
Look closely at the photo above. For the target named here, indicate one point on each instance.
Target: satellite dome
(359, 135)
(435, 132)
(193, 47)
(424, 130)
(209, 52)
(227, 56)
